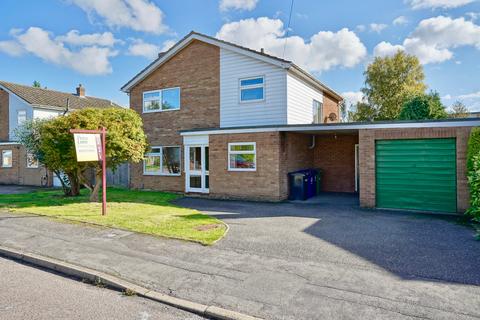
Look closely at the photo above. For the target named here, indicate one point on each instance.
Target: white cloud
(167, 45)
(377, 27)
(474, 95)
(143, 49)
(447, 97)
(73, 37)
(323, 51)
(139, 15)
(11, 48)
(473, 15)
(237, 5)
(361, 28)
(88, 60)
(434, 38)
(433, 4)
(384, 49)
(400, 21)
(471, 100)
(352, 97)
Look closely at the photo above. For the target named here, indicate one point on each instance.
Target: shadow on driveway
(409, 245)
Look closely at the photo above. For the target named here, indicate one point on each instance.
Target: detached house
(230, 122)
(19, 103)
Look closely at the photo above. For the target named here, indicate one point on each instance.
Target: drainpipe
(313, 142)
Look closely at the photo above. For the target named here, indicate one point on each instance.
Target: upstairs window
(252, 89)
(317, 111)
(21, 117)
(161, 100)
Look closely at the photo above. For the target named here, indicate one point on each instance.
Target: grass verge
(148, 212)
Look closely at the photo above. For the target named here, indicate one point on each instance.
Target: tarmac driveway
(331, 260)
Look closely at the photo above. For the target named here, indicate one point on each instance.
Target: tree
(361, 112)
(388, 82)
(459, 110)
(423, 107)
(36, 84)
(126, 141)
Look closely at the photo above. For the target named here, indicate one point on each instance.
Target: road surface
(30, 293)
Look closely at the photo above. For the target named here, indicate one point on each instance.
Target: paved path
(30, 293)
(287, 261)
(14, 189)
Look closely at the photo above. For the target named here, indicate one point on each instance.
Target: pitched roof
(55, 99)
(286, 64)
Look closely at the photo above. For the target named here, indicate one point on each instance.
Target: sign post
(90, 146)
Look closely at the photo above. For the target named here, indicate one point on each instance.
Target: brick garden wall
(367, 158)
(196, 70)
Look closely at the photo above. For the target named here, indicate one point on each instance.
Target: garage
(416, 174)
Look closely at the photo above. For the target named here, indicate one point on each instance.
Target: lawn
(147, 212)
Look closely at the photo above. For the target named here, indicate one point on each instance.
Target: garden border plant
(473, 173)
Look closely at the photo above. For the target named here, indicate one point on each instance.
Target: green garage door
(417, 174)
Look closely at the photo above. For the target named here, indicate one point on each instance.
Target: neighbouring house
(19, 103)
(474, 114)
(230, 122)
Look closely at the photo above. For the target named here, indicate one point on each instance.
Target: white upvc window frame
(36, 165)
(254, 152)
(252, 86)
(4, 152)
(23, 112)
(160, 92)
(320, 111)
(160, 154)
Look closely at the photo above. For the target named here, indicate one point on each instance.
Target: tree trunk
(74, 184)
(96, 188)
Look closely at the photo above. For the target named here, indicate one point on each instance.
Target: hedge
(473, 166)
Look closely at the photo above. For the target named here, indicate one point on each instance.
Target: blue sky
(103, 43)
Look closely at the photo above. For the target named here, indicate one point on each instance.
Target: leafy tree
(423, 107)
(361, 112)
(388, 82)
(473, 148)
(459, 110)
(126, 141)
(36, 84)
(28, 134)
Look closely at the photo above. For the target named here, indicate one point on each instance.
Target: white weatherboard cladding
(16, 104)
(300, 101)
(45, 114)
(273, 110)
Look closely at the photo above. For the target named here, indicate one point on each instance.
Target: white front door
(196, 168)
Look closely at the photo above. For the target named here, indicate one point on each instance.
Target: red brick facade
(367, 158)
(196, 70)
(331, 109)
(4, 108)
(335, 156)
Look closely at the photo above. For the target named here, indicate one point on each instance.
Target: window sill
(162, 174)
(241, 170)
(157, 111)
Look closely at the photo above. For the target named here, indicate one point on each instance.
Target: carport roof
(338, 127)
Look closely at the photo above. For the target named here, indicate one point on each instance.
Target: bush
(423, 107)
(474, 183)
(473, 147)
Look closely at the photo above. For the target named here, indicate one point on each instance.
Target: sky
(104, 43)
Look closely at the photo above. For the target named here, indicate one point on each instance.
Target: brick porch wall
(335, 155)
(10, 175)
(367, 158)
(262, 184)
(196, 70)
